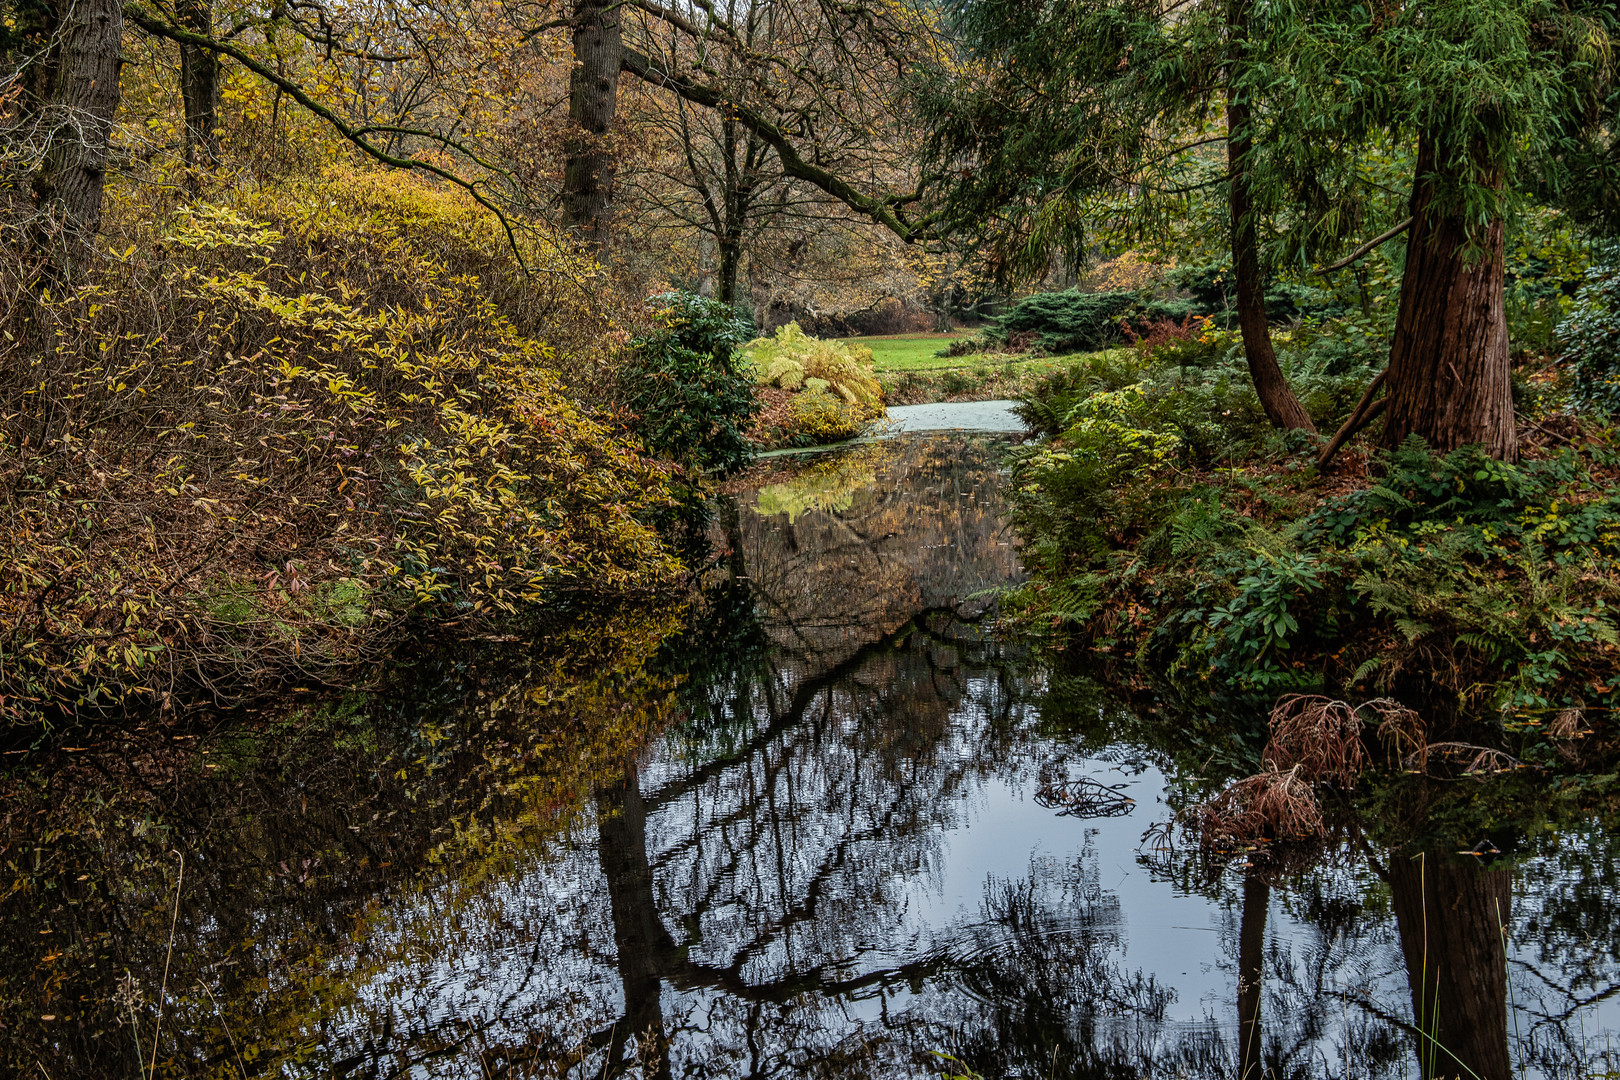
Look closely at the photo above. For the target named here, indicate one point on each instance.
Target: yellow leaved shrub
(281, 427)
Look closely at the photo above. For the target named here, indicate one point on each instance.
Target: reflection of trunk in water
(643, 944)
(1450, 918)
(1251, 954)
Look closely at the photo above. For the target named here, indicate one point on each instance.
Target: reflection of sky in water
(826, 877)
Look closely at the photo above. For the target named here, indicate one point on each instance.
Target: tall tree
(1270, 386)
(1449, 376)
(66, 55)
(199, 88)
(588, 174)
(1049, 110)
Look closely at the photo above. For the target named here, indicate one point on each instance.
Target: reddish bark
(1448, 359)
(1276, 396)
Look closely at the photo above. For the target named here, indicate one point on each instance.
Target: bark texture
(199, 87)
(71, 97)
(1450, 918)
(593, 99)
(1448, 358)
(1276, 396)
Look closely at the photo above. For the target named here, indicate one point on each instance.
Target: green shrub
(1590, 337)
(1075, 321)
(689, 394)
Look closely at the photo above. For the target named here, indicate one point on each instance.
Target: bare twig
(1388, 234)
(1365, 412)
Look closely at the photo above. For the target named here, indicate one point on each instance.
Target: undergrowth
(1168, 525)
(279, 427)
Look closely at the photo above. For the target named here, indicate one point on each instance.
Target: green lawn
(911, 374)
(898, 353)
(913, 352)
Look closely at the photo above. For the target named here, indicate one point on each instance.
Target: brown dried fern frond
(1269, 807)
(1402, 731)
(1319, 735)
(1465, 758)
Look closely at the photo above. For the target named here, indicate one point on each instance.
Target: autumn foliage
(283, 426)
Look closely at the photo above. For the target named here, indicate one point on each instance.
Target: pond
(821, 820)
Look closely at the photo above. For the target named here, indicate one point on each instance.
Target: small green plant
(688, 393)
(1590, 337)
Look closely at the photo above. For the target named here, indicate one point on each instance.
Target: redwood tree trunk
(1276, 396)
(199, 88)
(593, 98)
(1448, 359)
(1450, 918)
(74, 94)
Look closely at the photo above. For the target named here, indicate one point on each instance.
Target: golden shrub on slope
(274, 428)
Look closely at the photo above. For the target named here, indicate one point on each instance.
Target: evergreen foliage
(689, 395)
(1591, 337)
(1172, 527)
(1075, 321)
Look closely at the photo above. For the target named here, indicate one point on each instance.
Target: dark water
(800, 827)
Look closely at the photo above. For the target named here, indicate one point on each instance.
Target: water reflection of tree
(741, 902)
(1400, 904)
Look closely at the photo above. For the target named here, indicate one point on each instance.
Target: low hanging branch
(1366, 411)
(884, 210)
(1361, 251)
(159, 27)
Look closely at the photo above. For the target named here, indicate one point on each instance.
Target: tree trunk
(1276, 396)
(199, 90)
(593, 95)
(1450, 919)
(643, 944)
(730, 259)
(1251, 957)
(1448, 359)
(74, 93)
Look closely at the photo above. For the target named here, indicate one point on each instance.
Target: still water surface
(802, 828)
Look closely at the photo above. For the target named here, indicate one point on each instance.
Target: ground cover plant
(1168, 523)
